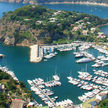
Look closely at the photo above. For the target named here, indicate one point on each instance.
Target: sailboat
(70, 74)
(56, 77)
(84, 75)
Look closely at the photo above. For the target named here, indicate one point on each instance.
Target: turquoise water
(17, 59)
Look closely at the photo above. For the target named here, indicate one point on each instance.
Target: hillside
(12, 90)
(35, 24)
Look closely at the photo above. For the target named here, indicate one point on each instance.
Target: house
(17, 103)
(2, 87)
(75, 28)
(85, 32)
(86, 18)
(88, 23)
(72, 25)
(101, 35)
(101, 96)
(93, 30)
(56, 13)
(53, 19)
(38, 22)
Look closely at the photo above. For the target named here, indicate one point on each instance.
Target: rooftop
(17, 103)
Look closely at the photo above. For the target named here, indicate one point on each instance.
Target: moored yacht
(84, 60)
(79, 55)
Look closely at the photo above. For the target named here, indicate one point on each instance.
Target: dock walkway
(45, 95)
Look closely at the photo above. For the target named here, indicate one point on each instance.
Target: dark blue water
(90, 9)
(5, 7)
(17, 58)
(105, 30)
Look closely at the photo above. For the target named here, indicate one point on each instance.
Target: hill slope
(12, 89)
(36, 24)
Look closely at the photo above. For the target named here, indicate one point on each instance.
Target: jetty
(36, 53)
(43, 93)
(39, 87)
(46, 95)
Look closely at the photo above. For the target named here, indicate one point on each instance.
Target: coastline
(103, 25)
(81, 3)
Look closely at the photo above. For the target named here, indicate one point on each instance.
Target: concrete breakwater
(36, 53)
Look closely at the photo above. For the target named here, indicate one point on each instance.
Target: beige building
(17, 103)
(85, 32)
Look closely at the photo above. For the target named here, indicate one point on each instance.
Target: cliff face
(48, 1)
(23, 26)
(15, 33)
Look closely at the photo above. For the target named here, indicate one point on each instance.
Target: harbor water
(64, 64)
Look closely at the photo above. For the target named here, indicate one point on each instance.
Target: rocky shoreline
(17, 30)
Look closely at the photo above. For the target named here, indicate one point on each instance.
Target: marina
(101, 73)
(84, 80)
(43, 94)
(39, 87)
(85, 76)
(38, 52)
(93, 89)
(65, 61)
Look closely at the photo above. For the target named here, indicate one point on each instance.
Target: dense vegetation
(36, 24)
(103, 104)
(13, 90)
